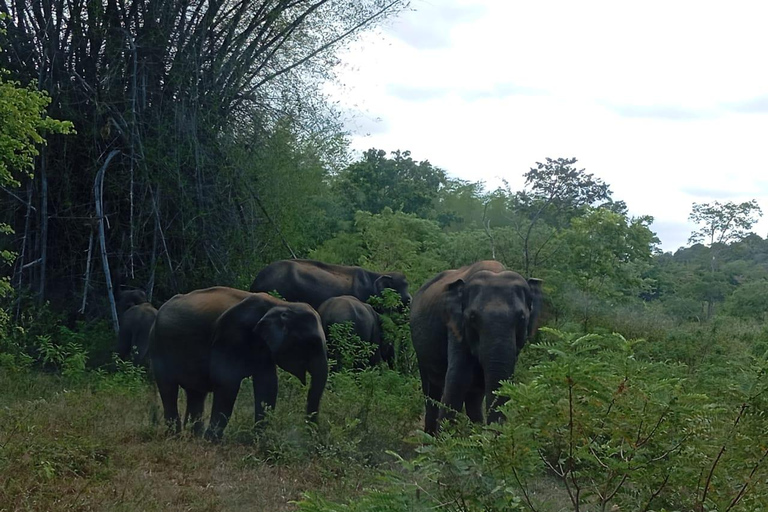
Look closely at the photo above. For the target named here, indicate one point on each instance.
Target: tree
(555, 191)
(23, 125)
(749, 300)
(167, 84)
(723, 223)
(606, 255)
(399, 183)
(460, 204)
(389, 241)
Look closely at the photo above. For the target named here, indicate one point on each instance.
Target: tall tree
(163, 83)
(400, 183)
(606, 255)
(23, 125)
(555, 190)
(721, 224)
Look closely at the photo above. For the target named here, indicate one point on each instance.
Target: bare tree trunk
(487, 228)
(23, 254)
(156, 205)
(134, 136)
(43, 223)
(98, 191)
(153, 258)
(87, 273)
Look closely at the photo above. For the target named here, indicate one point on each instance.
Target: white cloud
(665, 101)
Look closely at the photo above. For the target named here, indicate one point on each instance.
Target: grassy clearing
(68, 445)
(674, 422)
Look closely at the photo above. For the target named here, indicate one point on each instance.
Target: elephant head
(397, 282)
(126, 299)
(491, 315)
(252, 338)
(296, 342)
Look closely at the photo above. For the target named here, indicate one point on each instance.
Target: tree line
(204, 149)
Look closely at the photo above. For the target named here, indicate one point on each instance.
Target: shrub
(346, 346)
(616, 430)
(395, 329)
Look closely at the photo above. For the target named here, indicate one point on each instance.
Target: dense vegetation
(203, 150)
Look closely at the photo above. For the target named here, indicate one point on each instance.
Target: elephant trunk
(499, 365)
(318, 373)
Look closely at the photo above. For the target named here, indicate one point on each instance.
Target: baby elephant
(365, 321)
(136, 316)
(210, 340)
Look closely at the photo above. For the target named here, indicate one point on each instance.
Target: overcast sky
(667, 102)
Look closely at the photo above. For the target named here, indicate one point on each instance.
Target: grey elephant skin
(314, 282)
(210, 340)
(365, 322)
(135, 316)
(468, 327)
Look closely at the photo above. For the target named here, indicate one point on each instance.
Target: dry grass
(82, 449)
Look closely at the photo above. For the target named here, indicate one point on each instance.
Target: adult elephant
(365, 322)
(136, 316)
(209, 340)
(314, 282)
(468, 326)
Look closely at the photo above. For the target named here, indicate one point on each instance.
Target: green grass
(80, 445)
(94, 440)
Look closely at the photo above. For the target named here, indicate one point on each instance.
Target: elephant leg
(169, 394)
(475, 395)
(432, 396)
(224, 397)
(458, 381)
(124, 342)
(264, 390)
(195, 406)
(474, 404)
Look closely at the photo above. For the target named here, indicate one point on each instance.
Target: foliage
(750, 300)
(395, 329)
(346, 347)
(723, 223)
(23, 125)
(388, 241)
(617, 430)
(399, 183)
(450, 473)
(556, 192)
(363, 414)
(217, 114)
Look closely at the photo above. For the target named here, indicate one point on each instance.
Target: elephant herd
(467, 325)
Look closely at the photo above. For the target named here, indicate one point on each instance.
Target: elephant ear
(271, 329)
(455, 307)
(383, 282)
(535, 300)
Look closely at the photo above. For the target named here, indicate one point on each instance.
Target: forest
(169, 146)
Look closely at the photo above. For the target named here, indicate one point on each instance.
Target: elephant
(365, 321)
(209, 340)
(135, 316)
(468, 326)
(314, 282)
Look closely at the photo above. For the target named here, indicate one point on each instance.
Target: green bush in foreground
(613, 431)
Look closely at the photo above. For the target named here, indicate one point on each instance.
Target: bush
(395, 330)
(616, 430)
(349, 350)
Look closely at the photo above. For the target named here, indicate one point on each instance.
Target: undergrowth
(594, 422)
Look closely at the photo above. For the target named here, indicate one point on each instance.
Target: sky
(667, 102)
